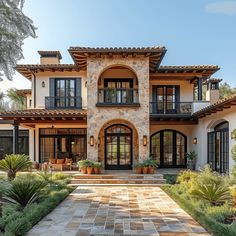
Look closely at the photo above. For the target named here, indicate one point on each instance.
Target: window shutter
(78, 87)
(52, 87)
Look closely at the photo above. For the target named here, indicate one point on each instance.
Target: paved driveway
(118, 210)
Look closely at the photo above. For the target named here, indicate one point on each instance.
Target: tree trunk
(11, 175)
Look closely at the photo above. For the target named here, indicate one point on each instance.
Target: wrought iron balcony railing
(168, 108)
(63, 102)
(108, 96)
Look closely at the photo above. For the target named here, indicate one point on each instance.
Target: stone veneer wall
(97, 116)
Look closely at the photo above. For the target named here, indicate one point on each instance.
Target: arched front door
(118, 147)
(169, 148)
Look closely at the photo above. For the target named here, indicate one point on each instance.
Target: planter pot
(191, 164)
(89, 170)
(151, 170)
(138, 170)
(97, 170)
(83, 170)
(145, 170)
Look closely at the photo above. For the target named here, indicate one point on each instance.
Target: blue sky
(195, 32)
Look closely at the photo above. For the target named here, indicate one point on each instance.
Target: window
(6, 142)
(168, 148)
(218, 148)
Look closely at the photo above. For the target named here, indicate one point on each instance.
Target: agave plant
(23, 192)
(14, 163)
(215, 194)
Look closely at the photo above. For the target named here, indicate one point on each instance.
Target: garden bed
(17, 220)
(218, 217)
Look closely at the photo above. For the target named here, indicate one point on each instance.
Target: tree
(14, 28)
(18, 102)
(226, 90)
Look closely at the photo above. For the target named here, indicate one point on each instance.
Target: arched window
(169, 147)
(218, 148)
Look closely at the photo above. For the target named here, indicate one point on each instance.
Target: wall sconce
(195, 140)
(43, 84)
(144, 140)
(91, 140)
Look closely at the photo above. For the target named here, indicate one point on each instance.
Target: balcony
(118, 97)
(171, 108)
(63, 102)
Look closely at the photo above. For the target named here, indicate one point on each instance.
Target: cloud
(222, 7)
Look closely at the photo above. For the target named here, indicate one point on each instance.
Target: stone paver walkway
(116, 210)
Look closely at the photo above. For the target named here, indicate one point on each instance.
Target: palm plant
(23, 192)
(215, 194)
(18, 101)
(14, 163)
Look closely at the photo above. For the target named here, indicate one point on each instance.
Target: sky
(195, 32)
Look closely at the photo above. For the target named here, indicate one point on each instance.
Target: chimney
(50, 57)
(213, 93)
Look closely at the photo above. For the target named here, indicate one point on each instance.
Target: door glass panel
(180, 150)
(168, 148)
(111, 155)
(155, 148)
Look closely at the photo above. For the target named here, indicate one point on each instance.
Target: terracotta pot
(83, 170)
(89, 170)
(151, 170)
(145, 170)
(138, 170)
(97, 170)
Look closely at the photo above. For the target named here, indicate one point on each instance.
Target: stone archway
(102, 139)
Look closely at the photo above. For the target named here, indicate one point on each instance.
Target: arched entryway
(118, 144)
(118, 147)
(169, 148)
(218, 147)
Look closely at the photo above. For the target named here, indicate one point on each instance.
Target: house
(118, 106)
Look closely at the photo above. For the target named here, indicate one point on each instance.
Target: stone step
(118, 181)
(132, 185)
(118, 176)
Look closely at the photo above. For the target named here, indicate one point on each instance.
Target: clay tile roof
(26, 70)
(23, 92)
(218, 106)
(46, 53)
(44, 113)
(155, 54)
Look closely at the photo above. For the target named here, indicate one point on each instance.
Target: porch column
(15, 137)
(199, 84)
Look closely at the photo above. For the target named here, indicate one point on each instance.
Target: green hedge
(18, 223)
(214, 227)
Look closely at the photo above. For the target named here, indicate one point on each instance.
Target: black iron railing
(63, 102)
(110, 96)
(168, 108)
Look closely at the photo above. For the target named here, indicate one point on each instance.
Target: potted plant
(191, 160)
(145, 167)
(97, 167)
(90, 166)
(152, 164)
(83, 166)
(139, 168)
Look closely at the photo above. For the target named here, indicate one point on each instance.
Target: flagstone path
(118, 210)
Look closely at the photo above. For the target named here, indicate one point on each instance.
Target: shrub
(60, 176)
(186, 176)
(170, 179)
(14, 163)
(85, 163)
(46, 176)
(215, 194)
(23, 192)
(220, 213)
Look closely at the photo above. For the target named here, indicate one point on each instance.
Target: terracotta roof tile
(223, 103)
(44, 113)
(23, 92)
